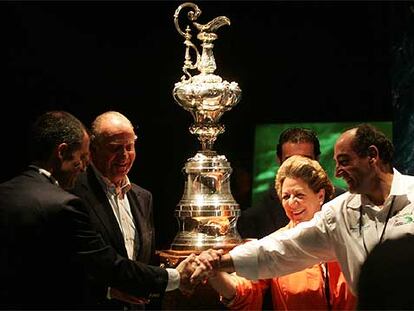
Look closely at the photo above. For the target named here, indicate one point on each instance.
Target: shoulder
(339, 200)
(409, 179)
(36, 194)
(338, 191)
(142, 195)
(337, 208)
(85, 179)
(141, 192)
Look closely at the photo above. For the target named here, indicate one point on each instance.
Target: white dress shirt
(345, 229)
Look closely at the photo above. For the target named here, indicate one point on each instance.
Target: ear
(373, 154)
(321, 196)
(62, 151)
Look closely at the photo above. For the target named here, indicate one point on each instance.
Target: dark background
(294, 61)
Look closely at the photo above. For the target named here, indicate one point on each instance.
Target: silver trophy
(207, 212)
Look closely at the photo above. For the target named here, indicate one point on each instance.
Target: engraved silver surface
(207, 212)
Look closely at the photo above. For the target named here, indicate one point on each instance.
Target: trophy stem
(207, 212)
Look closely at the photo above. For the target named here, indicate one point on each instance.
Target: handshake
(198, 269)
(193, 270)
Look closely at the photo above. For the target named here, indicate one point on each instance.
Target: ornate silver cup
(207, 212)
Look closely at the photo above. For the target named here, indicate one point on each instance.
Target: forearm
(223, 283)
(225, 264)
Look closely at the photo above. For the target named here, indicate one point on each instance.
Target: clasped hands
(197, 269)
(193, 271)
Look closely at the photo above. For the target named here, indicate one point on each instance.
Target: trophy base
(171, 258)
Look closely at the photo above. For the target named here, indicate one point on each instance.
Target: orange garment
(303, 290)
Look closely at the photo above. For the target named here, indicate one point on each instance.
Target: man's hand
(207, 262)
(186, 269)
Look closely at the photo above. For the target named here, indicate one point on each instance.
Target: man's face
(114, 154)
(303, 149)
(355, 170)
(74, 164)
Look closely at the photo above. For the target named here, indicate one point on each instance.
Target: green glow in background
(267, 136)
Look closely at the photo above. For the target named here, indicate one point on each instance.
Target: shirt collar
(110, 187)
(46, 173)
(397, 188)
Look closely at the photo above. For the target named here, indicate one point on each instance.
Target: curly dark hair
(298, 135)
(367, 135)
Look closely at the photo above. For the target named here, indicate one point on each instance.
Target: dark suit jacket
(103, 219)
(47, 245)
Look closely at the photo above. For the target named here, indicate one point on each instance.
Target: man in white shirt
(378, 206)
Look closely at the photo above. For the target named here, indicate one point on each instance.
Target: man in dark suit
(268, 215)
(47, 241)
(121, 211)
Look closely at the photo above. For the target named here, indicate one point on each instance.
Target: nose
(292, 200)
(84, 165)
(338, 171)
(123, 151)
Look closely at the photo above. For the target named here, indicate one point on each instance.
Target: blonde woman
(302, 186)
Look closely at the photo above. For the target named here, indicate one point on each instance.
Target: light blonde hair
(310, 171)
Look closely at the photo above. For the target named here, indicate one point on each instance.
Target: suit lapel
(103, 210)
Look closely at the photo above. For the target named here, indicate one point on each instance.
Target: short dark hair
(298, 135)
(53, 128)
(367, 135)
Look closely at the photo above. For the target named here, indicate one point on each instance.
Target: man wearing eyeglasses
(120, 210)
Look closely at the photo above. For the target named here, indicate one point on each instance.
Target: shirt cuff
(245, 260)
(173, 279)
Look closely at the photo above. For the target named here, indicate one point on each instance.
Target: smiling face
(355, 170)
(299, 201)
(113, 151)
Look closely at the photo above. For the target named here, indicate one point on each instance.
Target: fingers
(186, 266)
(197, 269)
(207, 263)
(200, 274)
(211, 258)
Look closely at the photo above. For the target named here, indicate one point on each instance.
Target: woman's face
(299, 200)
